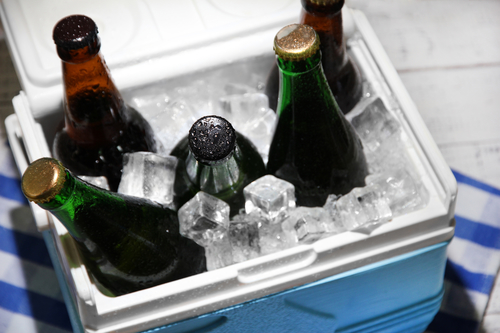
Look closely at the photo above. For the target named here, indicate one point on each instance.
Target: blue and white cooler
(389, 279)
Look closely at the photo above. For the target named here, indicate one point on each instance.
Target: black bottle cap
(74, 32)
(211, 138)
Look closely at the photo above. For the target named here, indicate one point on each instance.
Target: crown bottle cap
(296, 42)
(74, 32)
(43, 180)
(212, 138)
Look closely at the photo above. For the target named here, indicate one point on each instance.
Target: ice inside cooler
(235, 92)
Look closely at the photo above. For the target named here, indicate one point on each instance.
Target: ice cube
(172, 124)
(271, 237)
(348, 210)
(204, 219)
(331, 205)
(373, 203)
(244, 238)
(201, 95)
(232, 88)
(249, 113)
(260, 131)
(242, 108)
(270, 195)
(274, 238)
(101, 181)
(151, 103)
(149, 175)
(381, 135)
(310, 224)
(389, 156)
(218, 252)
(361, 206)
(402, 191)
(375, 125)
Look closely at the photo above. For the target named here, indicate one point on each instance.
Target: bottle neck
(304, 87)
(65, 204)
(327, 21)
(214, 177)
(94, 109)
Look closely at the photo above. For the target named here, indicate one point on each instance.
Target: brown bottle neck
(94, 109)
(327, 21)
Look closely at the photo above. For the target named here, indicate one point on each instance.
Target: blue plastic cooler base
(401, 294)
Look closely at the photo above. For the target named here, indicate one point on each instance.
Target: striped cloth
(30, 297)
(31, 301)
(473, 258)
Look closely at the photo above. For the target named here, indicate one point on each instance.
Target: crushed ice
(270, 221)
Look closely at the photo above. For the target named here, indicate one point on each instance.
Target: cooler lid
(139, 32)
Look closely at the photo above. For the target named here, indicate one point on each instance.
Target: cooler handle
(15, 136)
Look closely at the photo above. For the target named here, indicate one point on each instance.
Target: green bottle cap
(296, 42)
(74, 32)
(43, 180)
(211, 138)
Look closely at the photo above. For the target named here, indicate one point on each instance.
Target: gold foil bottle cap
(296, 42)
(43, 180)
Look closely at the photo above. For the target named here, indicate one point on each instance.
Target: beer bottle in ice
(99, 127)
(216, 159)
(314, 147)
(342, 74)
(127, 243)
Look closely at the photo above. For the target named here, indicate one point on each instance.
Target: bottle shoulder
(246, 146)
(225, 181)
(93, 204)
(104, 158)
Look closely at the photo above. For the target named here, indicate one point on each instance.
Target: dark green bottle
(127, 243)
(216, 159)
(314, 147)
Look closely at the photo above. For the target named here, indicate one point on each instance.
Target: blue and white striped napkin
(31, 300)
(473, 258)
(30, 297)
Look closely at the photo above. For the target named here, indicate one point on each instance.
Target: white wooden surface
(447, 53)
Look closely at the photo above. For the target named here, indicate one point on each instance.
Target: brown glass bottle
(343, 76)
(99, 127)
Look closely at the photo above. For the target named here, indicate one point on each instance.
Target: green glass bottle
(127, 243)
(342, 74)
(216, 159)
(314, 147)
